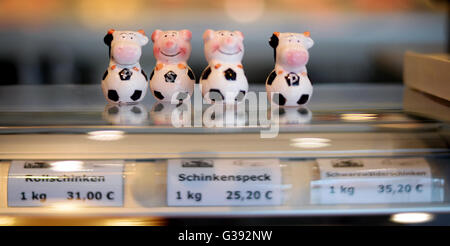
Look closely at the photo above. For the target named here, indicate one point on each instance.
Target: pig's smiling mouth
(169, 55)
(230, 54)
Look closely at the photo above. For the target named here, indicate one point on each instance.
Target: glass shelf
(351, 122)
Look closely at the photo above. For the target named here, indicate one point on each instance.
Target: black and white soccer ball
(288, 89)
(226, 84)
(124, 86)
(172, 84)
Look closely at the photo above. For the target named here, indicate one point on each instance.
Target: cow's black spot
(279, 99)
(292, 79)
(108, 39)
(273, 42)
(113, 96)
(153, 73)
(181, 96)
(143, 73)
(170, 77)
(230, 74)
(158, 95)
(271, 77)
(125, 74)
(159, 107)
(191, 74)
(303, 99)
(105, 74)
(213, 116)
(206, 73)
(215, 95)
(240, 96)
(113, 110)
(302, 111)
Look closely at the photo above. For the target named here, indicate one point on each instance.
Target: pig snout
(169, 45)
(296, 57)
(229, 42)
(126, 54)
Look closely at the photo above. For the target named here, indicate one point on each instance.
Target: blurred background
(61, 41)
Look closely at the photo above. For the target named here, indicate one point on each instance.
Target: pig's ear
(108, 37)
(143, 39)
(307, 40)
(208, 34)
(156, 34)
(239, 34)
(186, 34)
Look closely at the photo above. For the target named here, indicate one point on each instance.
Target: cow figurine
(124, 81)
(288, 84)
(224, 78)
(172, 79)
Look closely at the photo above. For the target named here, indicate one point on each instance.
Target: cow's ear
(307, 40)
(156, 34)
(208, 34)
(239, 34)
(186, 34)
(273, 41)
(109, 37)
(143, 39)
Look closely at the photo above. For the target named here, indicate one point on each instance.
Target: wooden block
(429, 73)
(426, 105)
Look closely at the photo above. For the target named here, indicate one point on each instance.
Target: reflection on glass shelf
(106, 135)
(167, 114)
(133, 114)
(409, 218)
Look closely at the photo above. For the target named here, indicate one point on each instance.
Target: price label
(224, 182)
(65, 183)
(372, 180)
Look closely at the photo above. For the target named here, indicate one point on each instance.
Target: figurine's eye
(131, 37)
(222, 34)
(298, 41)
(231, 34)
(290, 40)
(165, 35)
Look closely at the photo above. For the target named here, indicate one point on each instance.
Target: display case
(67, 157)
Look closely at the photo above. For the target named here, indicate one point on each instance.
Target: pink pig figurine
(223, 80)
(172, 79)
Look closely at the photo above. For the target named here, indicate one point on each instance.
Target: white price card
(65, 183)
(224, 182)
(372, 180)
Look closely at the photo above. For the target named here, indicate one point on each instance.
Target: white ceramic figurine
(224, 78)
(124, 81)
(172, 79)
(288, 84)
